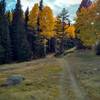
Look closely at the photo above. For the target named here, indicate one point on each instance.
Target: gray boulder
(13, 80)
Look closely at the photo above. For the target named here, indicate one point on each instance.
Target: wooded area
(34, 34)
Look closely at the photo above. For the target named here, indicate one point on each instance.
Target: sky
(56, 5)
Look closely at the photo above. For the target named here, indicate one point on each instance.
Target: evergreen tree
(5, 42)
(26, 18)
(34, 23)
(9, 17)
(85, 4)
(41, 5)
(21, 48)
(38, 18)
(40, 41)
(64, 18)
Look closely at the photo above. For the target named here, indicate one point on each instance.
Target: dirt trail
(69, 83)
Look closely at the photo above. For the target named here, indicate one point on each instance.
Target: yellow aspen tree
(70, 32)
(85, 24)
(33, 16)
(47, 22)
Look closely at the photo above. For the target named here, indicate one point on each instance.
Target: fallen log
(71, 50)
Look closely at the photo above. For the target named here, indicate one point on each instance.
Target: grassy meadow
(42, 77)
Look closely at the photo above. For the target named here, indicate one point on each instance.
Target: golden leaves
(33, 16)
(47, 22)
(70, 31)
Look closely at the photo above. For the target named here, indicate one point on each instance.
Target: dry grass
(86, 66)
(43, 76)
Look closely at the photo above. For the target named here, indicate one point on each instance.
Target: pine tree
(26, 18)
(5, 41)
(41, 5)
(64, 18)
(85, 4)
(21, 48)
(9, 17)
(40, 46)
(34, 23)
(41, 40)
(38, 17)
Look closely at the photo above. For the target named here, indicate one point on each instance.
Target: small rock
(13, 80)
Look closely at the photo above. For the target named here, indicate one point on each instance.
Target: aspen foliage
(70, 31)
(47, 22)
(33, 16)
(85, 23)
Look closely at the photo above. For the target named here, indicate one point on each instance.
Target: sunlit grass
(41, 83)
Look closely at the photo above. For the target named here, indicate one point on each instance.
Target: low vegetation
(86, 67)
(42, 78)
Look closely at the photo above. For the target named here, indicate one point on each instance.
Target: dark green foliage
(38, 18)
(51, 45)
(40, 49)
(9, 17)
(17, 41)
(64, 18)
(26, 18)
(5, 41)
(2, 7)
(41, 5)
(85, 4)
(2, 55)
(98, 49)
(21, 48)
